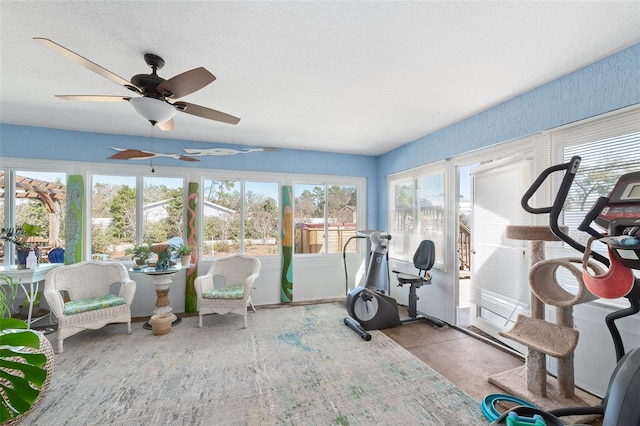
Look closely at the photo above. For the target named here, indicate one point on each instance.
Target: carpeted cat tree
(544, 338)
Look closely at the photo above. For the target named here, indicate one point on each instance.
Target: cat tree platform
(544, 338)
(540, 335)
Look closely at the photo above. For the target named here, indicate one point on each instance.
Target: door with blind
(500, 266)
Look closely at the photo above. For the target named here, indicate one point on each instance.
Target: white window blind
(500, 265)
(417, 212)
(609, 147)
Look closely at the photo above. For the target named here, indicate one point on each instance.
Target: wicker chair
(90, 305)
(226, 288)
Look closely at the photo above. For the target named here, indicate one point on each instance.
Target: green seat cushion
(234, 292)
(85, 305)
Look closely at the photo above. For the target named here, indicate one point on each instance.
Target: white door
(499, 266)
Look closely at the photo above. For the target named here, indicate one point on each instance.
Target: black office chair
(423, 260)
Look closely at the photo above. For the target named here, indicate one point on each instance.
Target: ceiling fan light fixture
(154, 110)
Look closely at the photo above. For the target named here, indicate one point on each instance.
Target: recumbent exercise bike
(370, 306)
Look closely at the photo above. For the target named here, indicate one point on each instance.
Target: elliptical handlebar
(570, 168)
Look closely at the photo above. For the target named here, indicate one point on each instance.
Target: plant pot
(185, 260)
(161, 324)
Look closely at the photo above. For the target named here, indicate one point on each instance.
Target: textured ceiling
(351, 77)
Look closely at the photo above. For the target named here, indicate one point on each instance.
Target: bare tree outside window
(324, 216)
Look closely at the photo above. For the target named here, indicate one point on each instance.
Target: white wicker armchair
(226, 288)
(91, 305)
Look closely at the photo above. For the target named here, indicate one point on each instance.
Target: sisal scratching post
(543, 282)
(544, 338)
(535, 362)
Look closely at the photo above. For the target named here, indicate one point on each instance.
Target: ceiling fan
(155, 91)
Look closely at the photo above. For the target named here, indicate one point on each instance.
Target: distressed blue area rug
(297, 365)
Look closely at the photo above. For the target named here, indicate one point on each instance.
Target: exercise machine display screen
(632, 192)
(621, 218)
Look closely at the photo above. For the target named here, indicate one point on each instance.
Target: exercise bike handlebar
(570, 168)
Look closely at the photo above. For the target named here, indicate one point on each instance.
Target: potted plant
(20, 238)
(26, 360)
(184, 251)
(141, 254)
(164, 257)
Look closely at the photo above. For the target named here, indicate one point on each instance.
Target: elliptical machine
(619, 215)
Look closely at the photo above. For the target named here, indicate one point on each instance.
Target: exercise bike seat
(423, 260)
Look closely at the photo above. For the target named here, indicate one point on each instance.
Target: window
(39, 199)
(608, 147)
(261, 218)
(162, 209)
(417, 212)
(113, 216)
(324, 217)
(602, 164)
(221, 219)
(240, 217)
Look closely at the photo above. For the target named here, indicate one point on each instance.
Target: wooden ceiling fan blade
(94, 98)
(205, 112)
(185, 83)
(167, 125)
(88, 64)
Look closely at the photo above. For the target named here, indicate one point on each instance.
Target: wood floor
(464, 360)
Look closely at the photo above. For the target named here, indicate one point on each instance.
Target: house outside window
(162, 209)
(240, 216)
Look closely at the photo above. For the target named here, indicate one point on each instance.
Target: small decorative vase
(162, 266)
(185, 260)
(21, 258)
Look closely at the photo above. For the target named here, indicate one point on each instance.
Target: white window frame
(602, 127)
(438, 168)
(361, 203)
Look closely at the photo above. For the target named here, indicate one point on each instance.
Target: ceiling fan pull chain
(153, 139)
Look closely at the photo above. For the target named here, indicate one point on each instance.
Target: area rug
(297, 365)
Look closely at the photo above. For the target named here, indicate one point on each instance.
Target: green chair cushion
(233, 292)
(85, 305)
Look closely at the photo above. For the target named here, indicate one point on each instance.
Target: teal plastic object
(515, 420)
(488, 404)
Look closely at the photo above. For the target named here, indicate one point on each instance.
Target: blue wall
(52, 144)
(604, 86)
(609, 84)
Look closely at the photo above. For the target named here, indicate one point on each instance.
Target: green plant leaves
(30, 229)
(22, 370)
